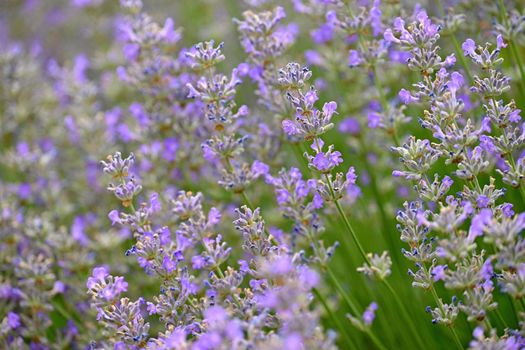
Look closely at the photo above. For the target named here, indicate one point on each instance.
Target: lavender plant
(305, 174)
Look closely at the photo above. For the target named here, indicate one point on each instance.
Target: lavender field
(262, 174)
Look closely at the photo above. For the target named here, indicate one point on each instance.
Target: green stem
(513, 49)
(513, 306)
(514, 167)
(407, 317)
(500, 317)
(247, 200)
(384, 104)
(342, 292)
(377, 196)
(459, 54)
(440, 305)
(376, 341)
(522, 303)
(68, 316)
(334, 318)
(353, 307)
(456, 337)
(519, 62)
(348, 227)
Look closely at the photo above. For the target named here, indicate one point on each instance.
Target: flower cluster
(235, 217)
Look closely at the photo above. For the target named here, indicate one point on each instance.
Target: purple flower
(487, 271)
(354, 58)
(13, 320)
(198, 262)
(469, 47)
(482, 201)
(214, 216)
(370, 314)
(114, 216)
(59, 287)
(439, 272)
(289, 127)
(78, 230)
(131, 52)
(325, 162)
(350, 126)
(322, 34)
(374, 119)
(329, 109)
(478, 224)
(500, 43)
(406, 97)
(450, 60)
(112, 291)
(24, 191)
(351, 176)
(259, 168)
(313, 58)
(215, 314)
(170, 35)
(456, 81)
(389, 36)
(168, 264)
(99, 274)
(151, 308)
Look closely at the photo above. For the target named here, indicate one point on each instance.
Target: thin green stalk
(348, 227)
(342, 292)
(353, 308)
(405, 314)
(500, 317)
(384, 103)
(522, 303)
(513, 49)
(247, 200)
(378, 199)
(375, 340)
(459, 51)
(334, 318)
(456, 338)
(68, 316)
(440, 305)
(514, 167)
(513, 306)
(459, 54)
(517, 57)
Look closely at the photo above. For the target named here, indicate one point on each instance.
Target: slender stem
(407, 317)
(456, 337)
(384, 104)
(349, 228)
(334, 318)
(519, 62)
(514, 51)
(376, 341)
(219, 272)
(459, 52)
(440, 305)
(514, 167)
(68, 316)
(247, 200)
(377, 196)
(513, 306)
(522, 303)
(500, 317)
(353, 307)
(461, 57)
(342, 292)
